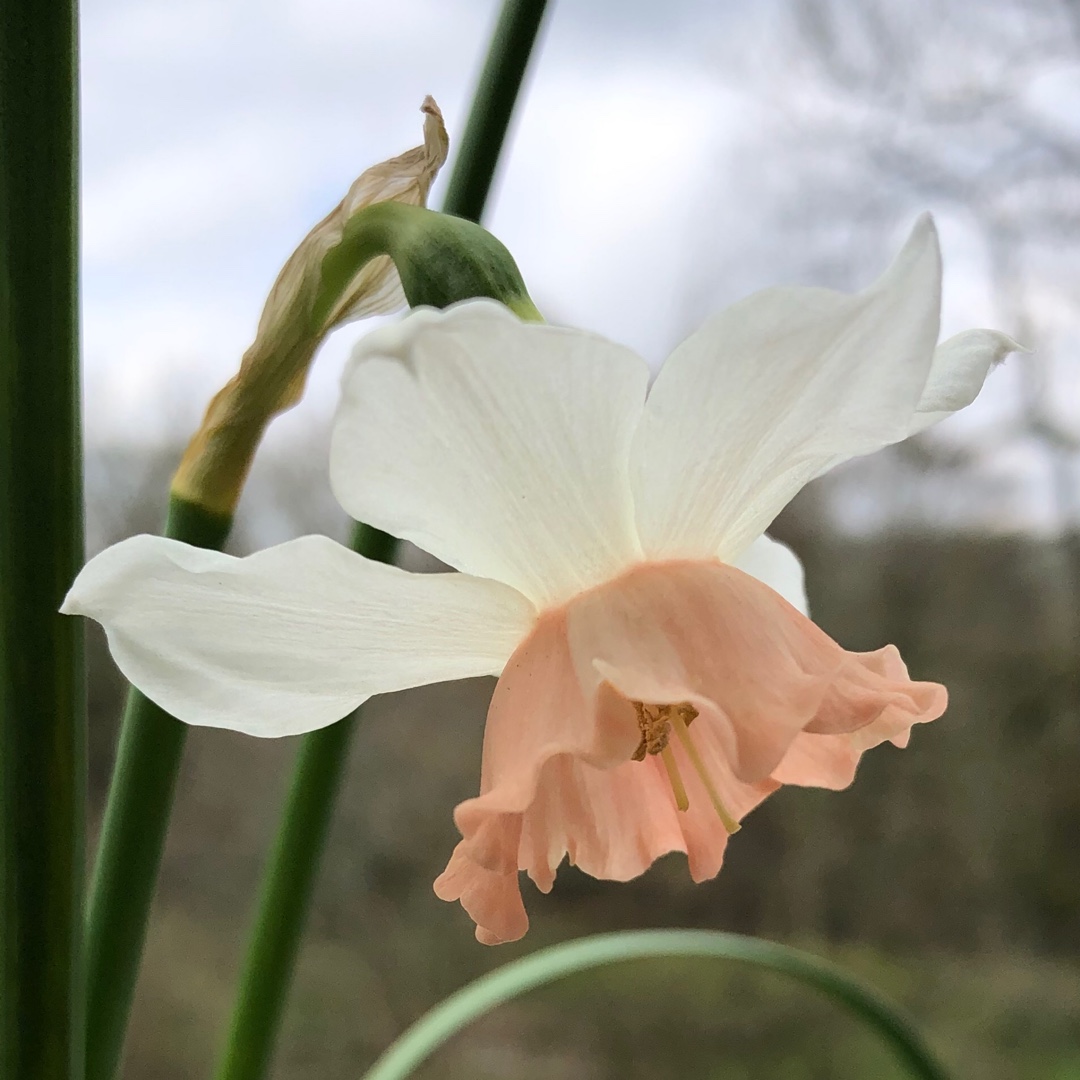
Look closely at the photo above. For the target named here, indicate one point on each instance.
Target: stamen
(655, 723)
(668, 756)
(683, 735)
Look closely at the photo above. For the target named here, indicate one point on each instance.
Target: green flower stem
(548, 965)
(132, 838)
(290, 877)
(440, 259)
(42, 690)
(493, 104)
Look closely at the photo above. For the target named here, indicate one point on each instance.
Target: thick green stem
(290, 877)
(42, 690)
(132, 838)
(493, 105)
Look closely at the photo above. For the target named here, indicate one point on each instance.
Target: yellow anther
(654, 727)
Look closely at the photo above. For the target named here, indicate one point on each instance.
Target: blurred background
(666, 160)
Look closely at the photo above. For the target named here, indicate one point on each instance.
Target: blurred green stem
(508, 982)
(42, 691)
(493, 105)
(291, 873)
(132, 838)
(290, 877)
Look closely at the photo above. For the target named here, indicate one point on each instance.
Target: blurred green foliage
(991, 1017)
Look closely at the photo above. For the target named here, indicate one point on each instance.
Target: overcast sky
(216, 132)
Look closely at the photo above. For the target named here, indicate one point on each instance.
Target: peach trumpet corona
(568, 769)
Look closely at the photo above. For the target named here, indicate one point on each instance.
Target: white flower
(595, 525)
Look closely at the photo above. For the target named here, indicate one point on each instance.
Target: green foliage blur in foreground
(994, 1018)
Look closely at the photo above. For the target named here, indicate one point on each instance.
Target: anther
(654, 727)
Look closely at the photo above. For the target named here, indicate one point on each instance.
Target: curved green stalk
(133, 832)
(42, 690)
(548, 965)
(290, 876)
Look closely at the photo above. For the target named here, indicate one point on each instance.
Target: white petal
(499, 446)
(778, 567)
(958, 371)
(774, 390)
(292, 638)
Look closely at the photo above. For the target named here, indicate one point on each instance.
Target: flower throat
(656, 723)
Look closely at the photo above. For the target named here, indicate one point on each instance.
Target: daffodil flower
(658, 674)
